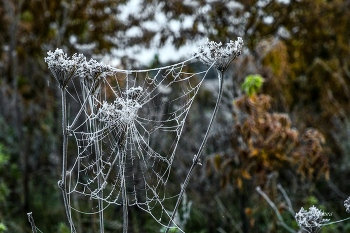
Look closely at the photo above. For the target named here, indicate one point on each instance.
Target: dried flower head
(212, 52)
(63, 67)
(92, 74)
(310, 221)
(95, 70)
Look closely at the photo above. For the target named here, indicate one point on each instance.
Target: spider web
(127, 128)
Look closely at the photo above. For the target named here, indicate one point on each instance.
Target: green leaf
(252, 84)
(3, 228)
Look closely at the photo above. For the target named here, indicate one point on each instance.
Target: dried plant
(115, 162)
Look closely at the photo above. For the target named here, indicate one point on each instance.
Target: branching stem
(32, 223)
(62, 184)
(196, 159)
(273, 206)
(125, 203)
(100, 190)
(98, 165)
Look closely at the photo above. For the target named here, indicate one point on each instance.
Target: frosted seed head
(92, 73)
(311, 220)
(63, 67)
(212, 52)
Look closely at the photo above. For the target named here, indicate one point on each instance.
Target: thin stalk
(32, 223)
(290, 208)
(98, 166)
(81, 109)
(237, 228)
(100, 193)
(62, 184)
(273, 206)
(196, 159)
(330, 223)
(125, 205)
(100, 205)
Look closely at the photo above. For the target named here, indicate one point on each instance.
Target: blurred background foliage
(293, 128)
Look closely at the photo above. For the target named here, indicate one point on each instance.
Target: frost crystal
(310, 221)
(212, 52)
(347, 204)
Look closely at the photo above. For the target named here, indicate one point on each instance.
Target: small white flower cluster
(212, 52)
(123, 110)
(312, 220)
(65, 68)
(347, 205)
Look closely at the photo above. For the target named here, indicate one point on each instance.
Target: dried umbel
(63, 67)
(92, 74)
(311, 221)
(213, 53)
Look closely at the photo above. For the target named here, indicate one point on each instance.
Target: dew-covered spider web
(127, 125)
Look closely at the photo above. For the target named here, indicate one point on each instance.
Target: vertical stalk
(32, 223)
(125, 204)
(62, 183)
(100, 206)
(100, 193)
(98, 156)
(196, 159)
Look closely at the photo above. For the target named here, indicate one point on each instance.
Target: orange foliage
(265, 142)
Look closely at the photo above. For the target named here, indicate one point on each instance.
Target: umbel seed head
(63, 67)
(213, 54)
(312, 220)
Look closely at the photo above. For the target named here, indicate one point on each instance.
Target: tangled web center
(123, 110)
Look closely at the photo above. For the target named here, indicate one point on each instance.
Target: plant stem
(237, 228)
(290, 208)
(330, 223)
(98, 157)
(32, 223)
(125, 204)
(62, 184)
(196, 159)
(100, 193)
(273, 206)
(81, 109)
